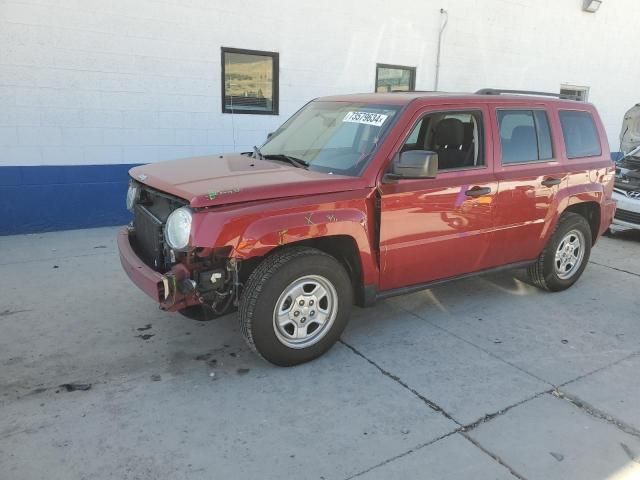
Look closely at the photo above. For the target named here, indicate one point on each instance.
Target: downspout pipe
(444, 25)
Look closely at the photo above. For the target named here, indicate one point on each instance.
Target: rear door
(438, 228)
(530, 171)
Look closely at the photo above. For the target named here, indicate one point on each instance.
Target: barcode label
(367, 118)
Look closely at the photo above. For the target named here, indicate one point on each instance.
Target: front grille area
(149, 216)
(627, 216)
(148, 237)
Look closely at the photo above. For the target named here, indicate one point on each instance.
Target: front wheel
(295, 305)
(566, 255)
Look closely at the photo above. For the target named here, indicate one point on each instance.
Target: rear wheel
(295, 305)
(566, 255)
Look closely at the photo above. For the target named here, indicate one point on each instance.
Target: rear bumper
(162, 288)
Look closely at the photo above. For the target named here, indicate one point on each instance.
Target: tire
(272, 296)
(556, 274)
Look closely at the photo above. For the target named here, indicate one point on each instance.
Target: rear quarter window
(580, 134)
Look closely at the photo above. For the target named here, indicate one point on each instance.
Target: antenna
(233, 125)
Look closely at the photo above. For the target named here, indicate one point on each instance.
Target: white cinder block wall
(130, 81)
(85, 82)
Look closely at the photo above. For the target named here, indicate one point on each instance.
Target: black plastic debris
(146, 336)
(6, 313)
(558, 456)
(72, 387)
(146, 327)
(155, 377)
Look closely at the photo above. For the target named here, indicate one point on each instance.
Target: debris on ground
(155, 377)
(6, 313)
(557, 456)
(36, 391)
(146, 327)
(72, 387)
(564, 340)
(243, 371)
(146, 336)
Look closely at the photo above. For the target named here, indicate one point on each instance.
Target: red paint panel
(140, 274)
(430, 229)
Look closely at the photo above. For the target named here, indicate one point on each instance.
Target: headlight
(132, 196)
(178, 228)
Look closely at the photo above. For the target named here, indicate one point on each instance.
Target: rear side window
(580, 134)
(524, 136)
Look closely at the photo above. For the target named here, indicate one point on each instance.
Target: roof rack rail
(413, 91)
(498, 91)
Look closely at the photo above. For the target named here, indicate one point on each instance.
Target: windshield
(333, 137)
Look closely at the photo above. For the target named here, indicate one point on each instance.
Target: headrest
(449, 131)
(523, 134)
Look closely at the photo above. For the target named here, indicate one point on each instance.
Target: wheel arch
(591, 211)
(342, 247)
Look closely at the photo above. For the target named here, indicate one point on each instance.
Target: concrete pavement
(486, 377)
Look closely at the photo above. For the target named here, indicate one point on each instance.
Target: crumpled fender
(254, 230)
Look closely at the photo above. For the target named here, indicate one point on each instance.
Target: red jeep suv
(360, 197)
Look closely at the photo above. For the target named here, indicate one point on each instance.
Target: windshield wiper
(257, 153)
(296, 162)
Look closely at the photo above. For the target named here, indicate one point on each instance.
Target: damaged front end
(626, 191)
(200, 282)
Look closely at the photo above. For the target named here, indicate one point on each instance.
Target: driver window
(455, 136)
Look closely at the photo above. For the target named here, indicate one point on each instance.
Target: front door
(438, 228)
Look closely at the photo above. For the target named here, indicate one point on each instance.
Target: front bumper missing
(162, 288)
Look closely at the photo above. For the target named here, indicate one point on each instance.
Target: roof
(404, 98)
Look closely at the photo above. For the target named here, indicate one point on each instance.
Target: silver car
(627, 186)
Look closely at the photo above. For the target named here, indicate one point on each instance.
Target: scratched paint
(309, 219)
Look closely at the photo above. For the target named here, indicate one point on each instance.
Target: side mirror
(414, 164)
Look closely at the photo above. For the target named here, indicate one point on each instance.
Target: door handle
(477, 191)
(550, 182)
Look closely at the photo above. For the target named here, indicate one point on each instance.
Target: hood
(234, 178)
(630, 133)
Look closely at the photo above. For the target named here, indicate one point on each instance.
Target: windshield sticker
(367, 118)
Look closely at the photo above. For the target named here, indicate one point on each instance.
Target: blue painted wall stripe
(48, 198)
